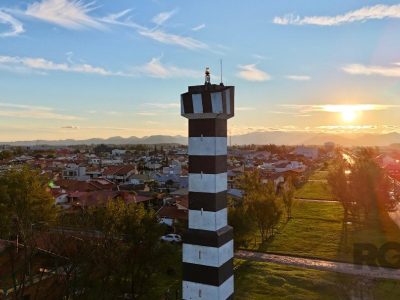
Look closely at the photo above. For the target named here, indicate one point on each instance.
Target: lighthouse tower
(208, 243)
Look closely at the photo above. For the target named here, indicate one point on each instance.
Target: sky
(82, 69)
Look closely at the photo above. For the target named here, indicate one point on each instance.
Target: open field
(314, 190)
(255, 280)
(316, 230)
(319, 175)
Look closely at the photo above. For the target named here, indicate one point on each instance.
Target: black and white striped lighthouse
(208, 243)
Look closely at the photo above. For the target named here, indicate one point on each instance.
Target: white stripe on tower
(208, 292)
(208, 220)
(207, 146)
(208, 183)
(208, 256)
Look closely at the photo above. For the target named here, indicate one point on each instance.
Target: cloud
(72, 14)
(199, 27)
(16, 26)
(154, 68)
(298, 77)
(376, 12)
(173, 39)
(123, 19)
(42, 64)
(258, 56)
(163, 17)
(70, 127)
(358, 69)
(306, 108)
(244, 108)
(163, 105)
(251, 73)
(115, 19)
(147, 113)
(32, 112)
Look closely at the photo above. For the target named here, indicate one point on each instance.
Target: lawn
(316, 230)
(255, 280)
(314, 190)
(319, 175)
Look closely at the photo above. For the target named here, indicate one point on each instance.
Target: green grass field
(319, 175)
(316, 230)
(255, 280)
(314, 190)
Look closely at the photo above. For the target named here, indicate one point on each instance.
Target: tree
(338, 182)
(240, 219)
(261, 201)
(288, 197)
(361, 186)
(26, 209)
(123, 257)
(5, 154)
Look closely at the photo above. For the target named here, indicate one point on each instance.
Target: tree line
(115, 252)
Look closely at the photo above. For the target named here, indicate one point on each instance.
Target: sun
(348, 115)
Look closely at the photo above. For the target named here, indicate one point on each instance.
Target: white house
(76, 172)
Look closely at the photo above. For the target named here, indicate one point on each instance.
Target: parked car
(171, 238)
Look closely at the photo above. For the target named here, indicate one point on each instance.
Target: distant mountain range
(258, 138)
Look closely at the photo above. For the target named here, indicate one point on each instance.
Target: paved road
(318, 264)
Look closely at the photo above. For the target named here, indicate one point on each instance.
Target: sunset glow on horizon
(84, 69)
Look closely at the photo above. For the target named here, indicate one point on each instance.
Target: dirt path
(319, 264)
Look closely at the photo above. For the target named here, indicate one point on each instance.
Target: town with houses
(81, 177)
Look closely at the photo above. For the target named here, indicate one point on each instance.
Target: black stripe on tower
(208, 238)
(208, 164)
(187, 103)
(207, 274)
(206, 101)
(207, 201)
(224, 102)
(207, 127)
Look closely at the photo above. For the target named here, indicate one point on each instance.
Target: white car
(171, 238)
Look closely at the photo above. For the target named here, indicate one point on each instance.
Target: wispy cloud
(376, 12)
(32, 112)
(42, 64)
(162, 17)
(358, 69)
(298, 77)
(244, 108)
(147, 113)
(72, 14)
(75, 14)
(173, 39)
(252, 73)
(305, 108)
(70, 127)
(16, 26)
(154, 68)
(199, 27)
(116, 19)
(160, 35)
(258, 56)
(162, 105)
(347, 128)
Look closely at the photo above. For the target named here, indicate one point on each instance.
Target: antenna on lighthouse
(220, 64)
